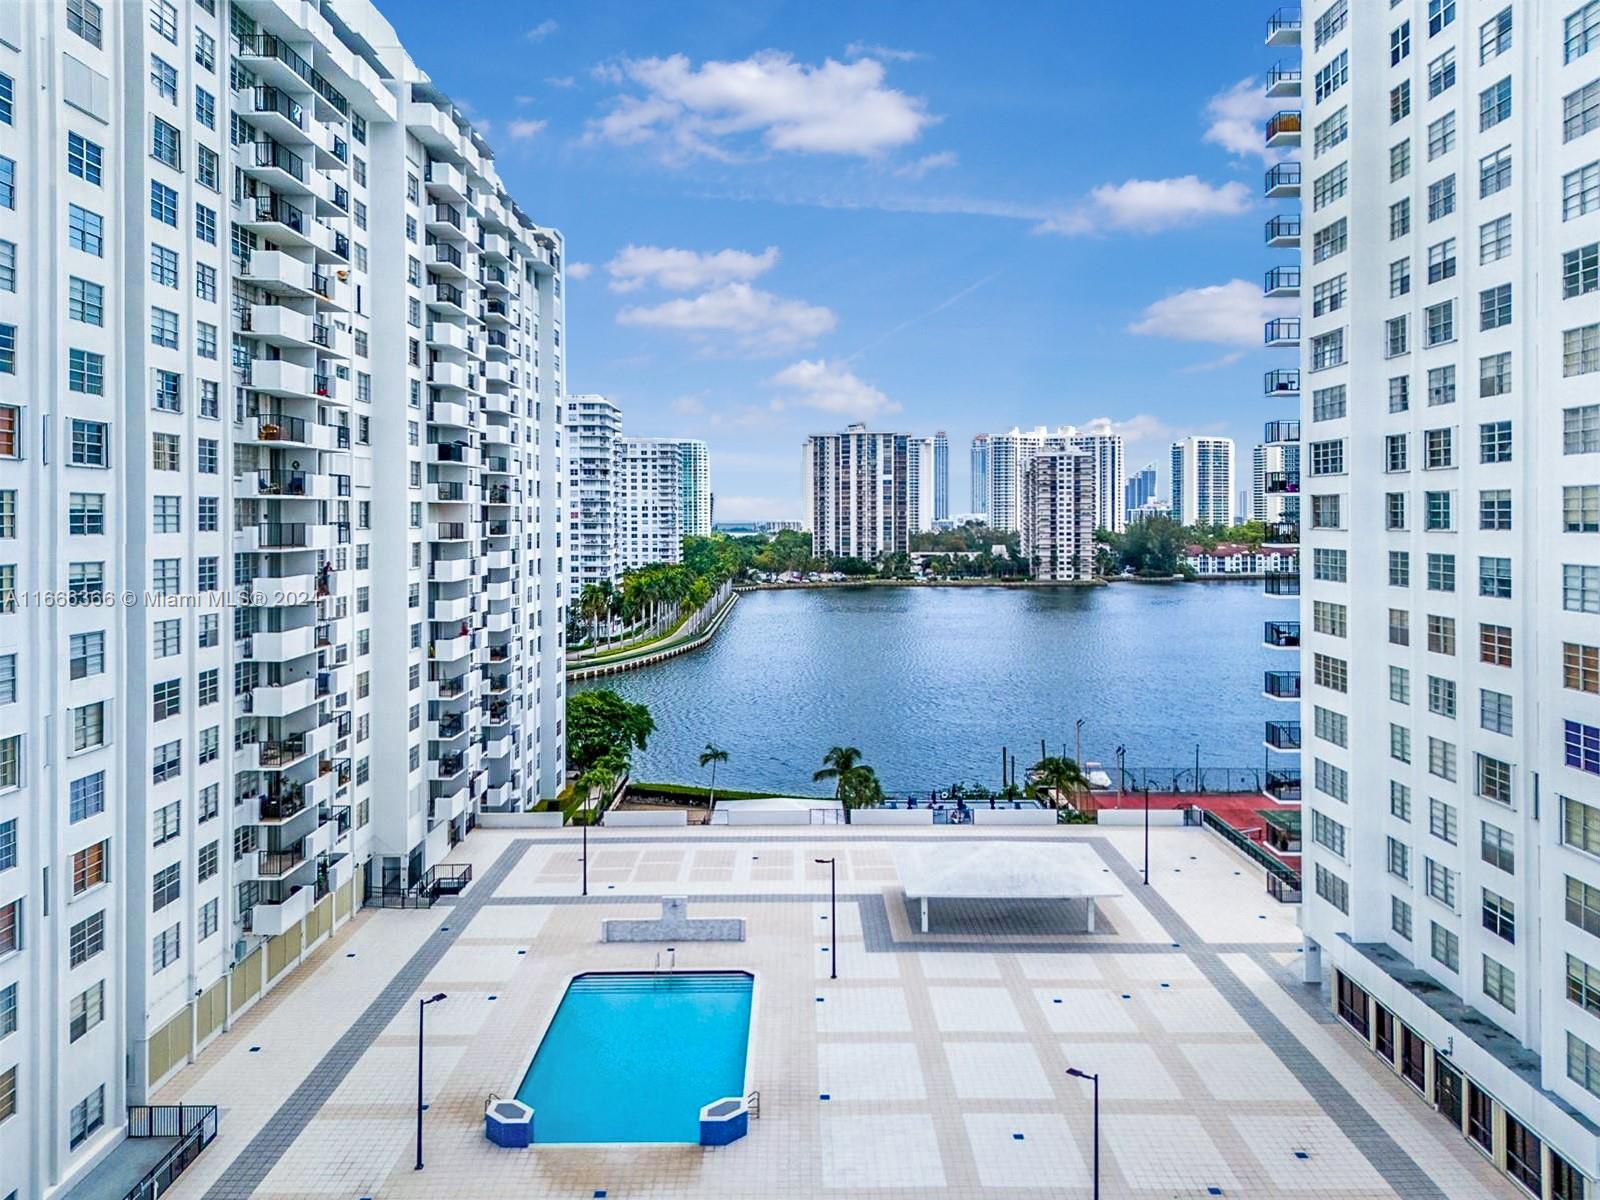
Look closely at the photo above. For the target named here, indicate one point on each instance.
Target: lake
(931, 682)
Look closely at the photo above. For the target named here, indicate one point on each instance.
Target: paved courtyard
(934, 1066)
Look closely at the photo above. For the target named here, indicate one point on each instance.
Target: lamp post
(1146, 835)
(1122, 759)
(586, 855)
(833, 914)
(1078, 744)
(422, 1009)
(1094, 1078)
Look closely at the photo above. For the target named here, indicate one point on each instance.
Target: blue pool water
(634, 1057)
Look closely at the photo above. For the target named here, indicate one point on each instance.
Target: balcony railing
(1281, 685)
(282, 535)
(1281, 177)
(1281, 79)
(1281, 635)
(1282, 533)
(1281, 383)
(272, 863)
(272, 207)
(270, 154)
(271, 100)
(1281, 431)
(445, 215)
(1283, 228)
(285, 804)
(1283, 24)
(1283, 126)
(1282, 331)
(283, 751)
(1282, 583)
(193, 1125)
(1283, 786)
(1283, 735)
(1281, 280)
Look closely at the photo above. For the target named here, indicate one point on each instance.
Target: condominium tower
(650, 503)
(921, 482)
(270, 326)
(980, 473)
(1139, 491)
(694, 487)
(1058, 515)
(1450, 344)
(856, 493)
(1202, 481)
(1010, 453)
(941, 477)
(594, 490)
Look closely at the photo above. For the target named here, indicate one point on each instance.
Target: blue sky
(783, 217)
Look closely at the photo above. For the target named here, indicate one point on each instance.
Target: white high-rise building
(921, 482)
(1058, 515)
(980, 473)
(1008, 458)
(594, 485)
(1451, 350)
(269, 324)
(694, 482)
(1202, 481)
(855, 492)
(1274, 467)
(1009, 455)
(650, 509)
(941, 476)
(1107, 451)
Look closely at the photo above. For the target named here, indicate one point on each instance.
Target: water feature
(930, 682)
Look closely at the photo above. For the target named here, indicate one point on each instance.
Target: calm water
(931, 682)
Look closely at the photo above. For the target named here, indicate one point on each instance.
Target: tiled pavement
(942, 1057)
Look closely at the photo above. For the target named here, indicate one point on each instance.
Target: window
(1441, 572)
(1400, 102)
(1494, 577)
(1399, 859)
(1442, 821)
(1333, 889)
(164, 266)
(1582, 745)
(1442, 76)
(1445, 947)
(89, 868)
(1330, 240)
(164, 19)
(1400, 917)
(86, 372)
(1580, 429)
(1333, 76)
(1399, 218)
(86, 1010)
(165, 143)
(1396, 337)
(1399, 43)
(1494, 711)
(87, 797)
(1437, 511)
(1494, 240)
(87, 1116)
(1442, 136)
(1331, 726)
(1441, 323)
(1493, 779)
(1494, 645)
(1494, 374)
(1580, 508)
(1399, 160)
(1499, 982)
(1442, 198)
(1442, 261)
(1494, 36)
(1330, 672)
(205, 224)
(164, 78)
(87, 654)
(165, 948)
(1399, 743)
(1328, 404)
(1399, 278)
(1494, 173)
(1494, 307)
(1399, 800)
(1494, 442)
(1329, 296)
(83, 19)
(1494, 104)
(166, 885)
(1331, 132)
(1582, 30)
(85, 301)
(1497, 847)
(86, 939)
(1441, 634)
(1399, 393)
(85, 159)
(1580, 587)
(1331, 22)
(1327, 350)
(1580, 667)
(1330, 187)
(1399, 632)
(1394, 512)
(164, 204)
(1438, 445)
(1328, 564)
(8, 182)
(1580, 111)
(167, 762)
(1325, 831)
(1580, 271)
(85, 230)
(1580, 191)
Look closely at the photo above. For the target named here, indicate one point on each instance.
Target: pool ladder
(672, 960)
(753, 1103)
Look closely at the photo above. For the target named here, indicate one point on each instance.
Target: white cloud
(522, 130)
(831, 388)
(579, 270)
(561, 81)
(1150, 206)
(1140, 428)
(524, 99)
(759, 322)
(928, 162)
(688, 406)
(633, 267)
(542, 30)
(1236, 119)
(1226, 314)
(885, 53)
(1213, 364)
(689, 111)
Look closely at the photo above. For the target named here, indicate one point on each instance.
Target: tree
(601, 777)
(837, 764)
(1060, 775)
(601, 723)
(712, 755)
(855, 784)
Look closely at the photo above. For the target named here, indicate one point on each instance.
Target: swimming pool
(634, 1057)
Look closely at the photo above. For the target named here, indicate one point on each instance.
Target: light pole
(1122, 759)
(1094, 1078)
(1078, 733)
(833, 914)
(586, 855)
(1146, 835)
(422, 1009)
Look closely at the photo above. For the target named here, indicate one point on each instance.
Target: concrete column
(1090, 927)
(1310, 961)
(924, 914)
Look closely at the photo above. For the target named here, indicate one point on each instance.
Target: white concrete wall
(670, 817)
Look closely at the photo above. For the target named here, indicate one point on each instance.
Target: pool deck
(933, 1067)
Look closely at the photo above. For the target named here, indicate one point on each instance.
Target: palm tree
(838, 763)
(712, 755)
(1060, 775)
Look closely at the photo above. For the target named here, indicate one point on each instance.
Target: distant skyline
(781, 218)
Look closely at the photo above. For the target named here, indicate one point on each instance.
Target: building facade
(980, 474)
(1274, 466)
(941, 477)
(1139, 491)
(1107, 451)
(594, 484)
(921, 482)
(857, 493)
(650, 508)
(1202, 481)
(694, 486)
(1058, 515)
(194, 789)
(1451, 350)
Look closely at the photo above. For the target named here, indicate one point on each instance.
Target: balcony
(275, 864)
(1276, 432)
(444, 336)
(448, 493)
(1281, 383)
(282, 752)
(1281, 584)
(450, 687)
(1281, 534)
(282, 700)
(1284, 232)
(282, 646)
(280, 806)
(445, 179)
(449, 375)
(275, 113)
(1283, 181)
(1283, 331)
(452, 570)
(448, 531)
(445, 221)
(446, 259)
(1283, 786)
(1283, 81)
(277, 377)
(278, 909)
(277, 326)
(444, 297)
(1283, 735)
(1283, 27)
(1281, 282)
(1281, 685)
(1281, 635)
(275, 271)
(277, 166)
(1283, 129)
(331, 340)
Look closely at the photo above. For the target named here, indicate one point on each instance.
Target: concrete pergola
(1005, 871)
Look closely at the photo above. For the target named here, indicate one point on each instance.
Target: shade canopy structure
(1005, 871)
